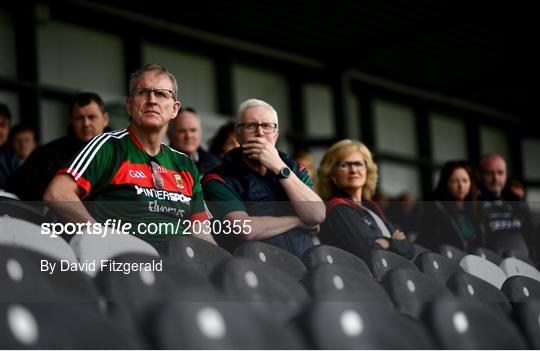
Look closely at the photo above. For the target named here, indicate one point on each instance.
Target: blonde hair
(337, 152)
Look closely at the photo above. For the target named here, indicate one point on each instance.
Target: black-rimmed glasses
(252, 126)
(351, 164)
(160, 94)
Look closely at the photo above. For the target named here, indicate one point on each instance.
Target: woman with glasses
(347, 180)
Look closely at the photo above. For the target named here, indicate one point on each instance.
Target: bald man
(185, 135)
(505, 218)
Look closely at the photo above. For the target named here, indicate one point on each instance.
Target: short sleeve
(90, 168)
(221, 198)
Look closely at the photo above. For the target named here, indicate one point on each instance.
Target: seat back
(382, 261)
(527, 317)
(266, 288)
(218, 325)
(326, 254)
(354, 325)
(470, 288)
(21, 233)
(462, 325)
(437, 266)
(519, 289)
(341, 283)
(483, 269)
(94, 248)
(195, 253)
(486, 254)
(513, 266)
(272, 255)
(452, 253)
(411, 290)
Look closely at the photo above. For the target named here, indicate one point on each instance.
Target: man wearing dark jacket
(506, 219)
(88, 119)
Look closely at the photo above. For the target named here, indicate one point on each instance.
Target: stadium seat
(218, 325)
(410, 290)
(486, 253)
(59, 326)
(332, 282)
(527, 317)
(194, 253)
(94, 248)
(465, 325)
(520, 289)
(20, 233)
(272, 255)
(24, 279)
(132, 295)
(470, 288)
(452, 253)
(262, 286)
(419, 249)
(513, 266)
(437, 266)
(33, 212)
(326, 254)
(381, 261)
(483, 269)
(354, 325)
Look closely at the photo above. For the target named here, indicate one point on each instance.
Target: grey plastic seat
(486, 253)
(519, 289)
(327, 254)
(272, 255)
(341, 283)
(94, 248)
(527, 317)
(411, 290)
(21, 233)
(354, 325)
(452, 253)
(470, 288)
(466, 325)
(194, 253)
(483, 269)
(209, 325)
(513, 266)
(381, 262)
(437, 266)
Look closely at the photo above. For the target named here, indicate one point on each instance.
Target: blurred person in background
(451, 217)
(88, 118)
(224, 140)
(347, 180)
(8, 160)
(306, 161)
(505, 217)
(185, 135)
(22, 140)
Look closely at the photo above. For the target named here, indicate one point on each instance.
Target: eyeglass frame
(257, 125)
(149, 90)
(346, 165)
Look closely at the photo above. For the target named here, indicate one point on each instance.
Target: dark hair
(442, 194)
(218, 140)
(20, 128)
(441, 191)
(4, 111)
(85, 98)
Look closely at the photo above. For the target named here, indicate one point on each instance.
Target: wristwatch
(285, 172)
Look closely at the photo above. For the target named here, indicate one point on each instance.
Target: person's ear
(106, 119)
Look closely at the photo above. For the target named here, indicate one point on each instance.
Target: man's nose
(151, 97)
(86, 121)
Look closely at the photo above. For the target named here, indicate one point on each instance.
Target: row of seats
(258, 297)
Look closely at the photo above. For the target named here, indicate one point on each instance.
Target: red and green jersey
(121, 181)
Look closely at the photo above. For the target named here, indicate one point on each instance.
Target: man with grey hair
(263, 189)
(130, 175)
(506, 219)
